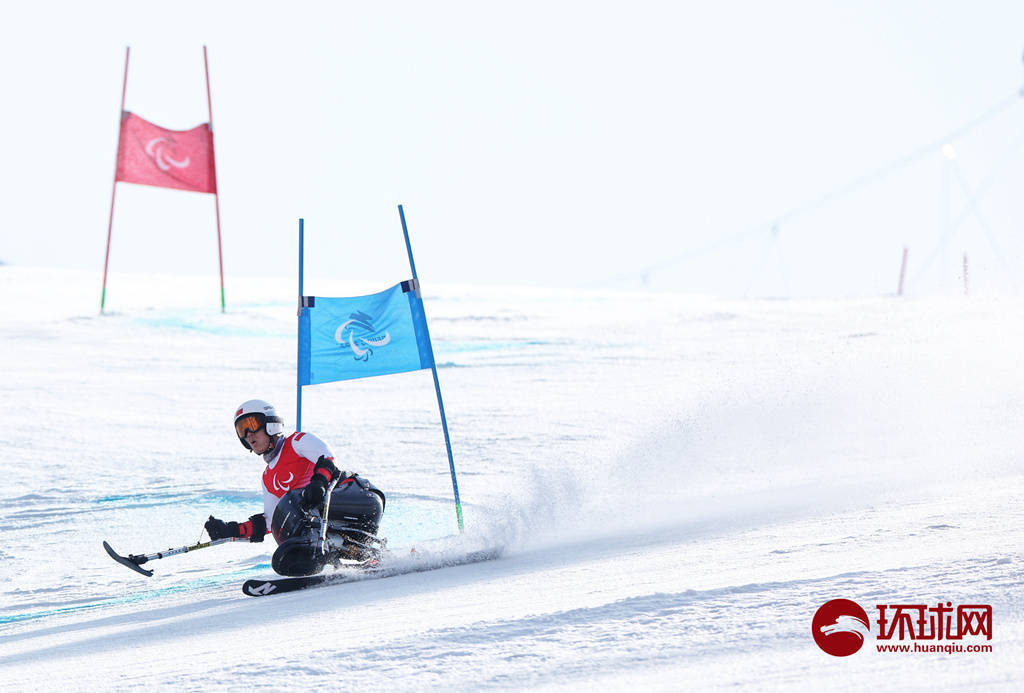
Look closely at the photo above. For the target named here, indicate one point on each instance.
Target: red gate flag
(151, 155)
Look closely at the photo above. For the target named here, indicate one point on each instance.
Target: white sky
(565, 144)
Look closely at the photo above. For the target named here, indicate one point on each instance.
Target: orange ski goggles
(249, 424)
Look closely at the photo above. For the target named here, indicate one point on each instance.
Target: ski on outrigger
(135, 561)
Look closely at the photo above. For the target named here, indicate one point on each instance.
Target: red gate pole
(216, 193)
(113, 192)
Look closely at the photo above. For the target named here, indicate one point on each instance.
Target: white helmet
(265, 417)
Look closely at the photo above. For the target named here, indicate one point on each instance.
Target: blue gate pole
(437, 385)
(298, 360)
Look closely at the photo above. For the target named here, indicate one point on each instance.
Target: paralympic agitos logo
(358, 334)
(162, 151)
(840, 627)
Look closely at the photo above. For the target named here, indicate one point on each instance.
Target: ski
(131, 561)
(416, 563)
(263, 588)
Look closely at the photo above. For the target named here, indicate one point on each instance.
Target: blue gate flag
(363, 336)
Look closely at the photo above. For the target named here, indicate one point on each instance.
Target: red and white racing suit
(289, 466)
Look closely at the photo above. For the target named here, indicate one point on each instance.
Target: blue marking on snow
(409, 518)
(248, 320)
(136, 499)
(210, 326)
(213, 581)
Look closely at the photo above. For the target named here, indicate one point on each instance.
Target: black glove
(313, 494)
(257, 526)
(323, 474)
(253, 530)
(218, 529)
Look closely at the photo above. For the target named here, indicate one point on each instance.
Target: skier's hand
(323, 474)
(313, 494)
(218, 529)
(325, 468)
(256, 527)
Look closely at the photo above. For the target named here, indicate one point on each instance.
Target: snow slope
(679, 483)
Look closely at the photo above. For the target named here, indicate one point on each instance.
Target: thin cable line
(857, 183)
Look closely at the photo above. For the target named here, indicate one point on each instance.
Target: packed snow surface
(678, 484)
